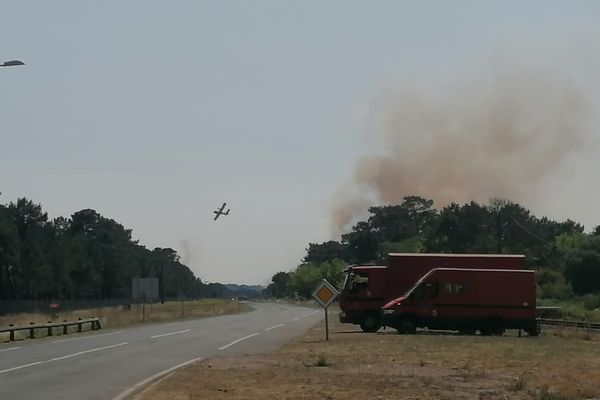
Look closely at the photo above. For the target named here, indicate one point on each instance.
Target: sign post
(325, 294)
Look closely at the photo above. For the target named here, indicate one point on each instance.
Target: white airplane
(220, 211)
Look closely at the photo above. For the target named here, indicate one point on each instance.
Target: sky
(154, 113)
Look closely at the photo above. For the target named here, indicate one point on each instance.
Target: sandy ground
(561, 364)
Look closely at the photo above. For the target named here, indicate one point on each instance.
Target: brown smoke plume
(498, 137)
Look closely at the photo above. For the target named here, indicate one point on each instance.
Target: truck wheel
(407, 326)
(370, 323)
(493, 327)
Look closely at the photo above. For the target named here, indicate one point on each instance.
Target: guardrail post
(65, 327)
(79, 325)
(49, 329)
(31, 332)
(11, 334)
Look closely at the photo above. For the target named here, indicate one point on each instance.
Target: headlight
(388, 311)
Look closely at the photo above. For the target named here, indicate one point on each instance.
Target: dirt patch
(385, 365)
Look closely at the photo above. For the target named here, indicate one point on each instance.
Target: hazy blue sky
(155, 112)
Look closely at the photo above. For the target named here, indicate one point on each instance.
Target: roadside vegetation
(566, 257)
(124, 316)
(561, 364)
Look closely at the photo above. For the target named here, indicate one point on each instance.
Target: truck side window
(446, 288)
(452, 288)
(359, 282)
(431, 290)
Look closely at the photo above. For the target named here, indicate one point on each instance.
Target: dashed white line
(138, 386)
(63, 357)
(86, 337)
(169, 334)
(21, 367)
(86, 352)
(273, 327)
(10, 349)
(237, 341)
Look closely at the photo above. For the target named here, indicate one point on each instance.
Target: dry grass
(390, 366)
(117, 317)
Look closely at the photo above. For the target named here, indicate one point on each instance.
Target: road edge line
(138, 387)
(237, 341)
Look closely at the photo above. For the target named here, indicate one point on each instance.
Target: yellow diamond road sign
(325, 294)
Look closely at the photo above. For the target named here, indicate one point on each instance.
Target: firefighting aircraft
(220, 211)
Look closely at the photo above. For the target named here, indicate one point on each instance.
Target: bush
(590, 301)
(559, 291)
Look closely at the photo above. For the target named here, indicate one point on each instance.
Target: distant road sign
(145, 289)
(325, 294)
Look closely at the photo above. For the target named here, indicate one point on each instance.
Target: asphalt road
(104, 364)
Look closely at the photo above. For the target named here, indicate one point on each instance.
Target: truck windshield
(416, 285)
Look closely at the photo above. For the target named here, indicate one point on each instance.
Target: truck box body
(488, 300)
(367, 288)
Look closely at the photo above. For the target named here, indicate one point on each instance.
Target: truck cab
(364, 292)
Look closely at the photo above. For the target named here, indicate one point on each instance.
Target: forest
(86, 256)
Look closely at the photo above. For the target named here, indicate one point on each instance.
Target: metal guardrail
(569, 323)
(11, 329)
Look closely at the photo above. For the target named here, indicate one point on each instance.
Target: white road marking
(237, 341)
(308, 315)
(86, 337)
(10, 349)
(126, 394)
(63, 357)
(20, 367)
(273, 327)
(169, 334)
(305, 316)
(86, 352)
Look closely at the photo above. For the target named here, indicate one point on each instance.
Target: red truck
(367, 287)
(467, 300)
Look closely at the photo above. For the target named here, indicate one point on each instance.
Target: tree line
(568, 259)
(86, 256)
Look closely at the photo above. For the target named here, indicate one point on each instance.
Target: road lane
(69, 369)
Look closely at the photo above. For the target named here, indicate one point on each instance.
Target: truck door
(359, 285)
(427, 309)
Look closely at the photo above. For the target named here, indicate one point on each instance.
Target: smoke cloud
(188, 255)
(496, 137)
